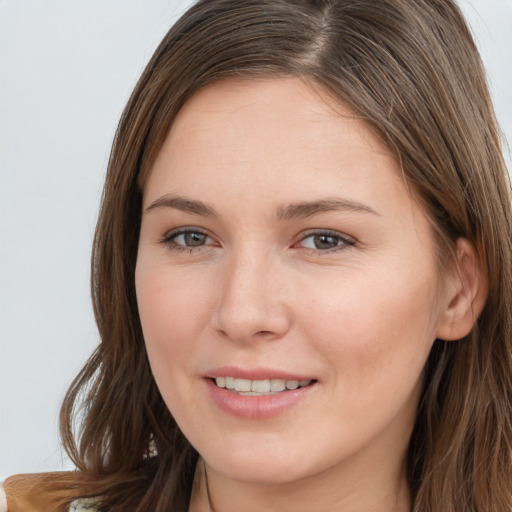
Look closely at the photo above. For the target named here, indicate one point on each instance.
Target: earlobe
(466, 293)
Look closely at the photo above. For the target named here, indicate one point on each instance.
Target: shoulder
(33, 493)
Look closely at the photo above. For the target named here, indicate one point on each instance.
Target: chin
(261, 464)
(268, 473)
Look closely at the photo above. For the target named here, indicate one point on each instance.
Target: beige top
(3, 500)
(22, 493)
(85, 505)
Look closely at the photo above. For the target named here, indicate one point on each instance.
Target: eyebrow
(285, 212)
(183, 204)
(310, 208)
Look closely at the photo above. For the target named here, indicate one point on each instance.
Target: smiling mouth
(264, 387)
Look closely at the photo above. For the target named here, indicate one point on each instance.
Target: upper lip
(255, 373)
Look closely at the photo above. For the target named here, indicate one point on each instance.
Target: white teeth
(277, 384)
(259, 387)
(242, 385)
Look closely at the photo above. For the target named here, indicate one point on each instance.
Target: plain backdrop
(66, 70)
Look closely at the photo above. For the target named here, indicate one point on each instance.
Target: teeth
(277, 385)
(293, 384)
(259, 387)
(242, 385)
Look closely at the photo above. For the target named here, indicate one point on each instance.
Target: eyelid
(171, 235)
(169, 239)
(346, 240)
(185, 229)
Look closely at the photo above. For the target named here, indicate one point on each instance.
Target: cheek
(174, 308)
(374, 330)
(172, 305)
(162, 311)
(168, 311)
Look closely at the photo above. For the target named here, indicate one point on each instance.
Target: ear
(465, 291)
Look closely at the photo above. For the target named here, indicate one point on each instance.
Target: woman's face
(280, 248)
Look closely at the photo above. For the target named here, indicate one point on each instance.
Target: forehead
(242, 106)
(267, 133)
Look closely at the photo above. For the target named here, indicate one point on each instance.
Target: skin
(358, 312)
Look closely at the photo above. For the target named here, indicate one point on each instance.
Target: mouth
(259, 393)
(264, 387)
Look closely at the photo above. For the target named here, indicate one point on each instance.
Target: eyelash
(169, 240)
(344, 242)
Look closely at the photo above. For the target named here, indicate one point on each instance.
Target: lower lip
(256, 407)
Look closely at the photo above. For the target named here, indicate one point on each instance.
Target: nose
(252, 304)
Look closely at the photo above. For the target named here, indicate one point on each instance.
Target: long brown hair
(411, 70)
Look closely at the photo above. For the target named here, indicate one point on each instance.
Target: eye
(187, 239)
(325, 241)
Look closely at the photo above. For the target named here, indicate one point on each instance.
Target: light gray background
(66, 70)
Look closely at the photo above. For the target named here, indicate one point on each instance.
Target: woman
(301, 272)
